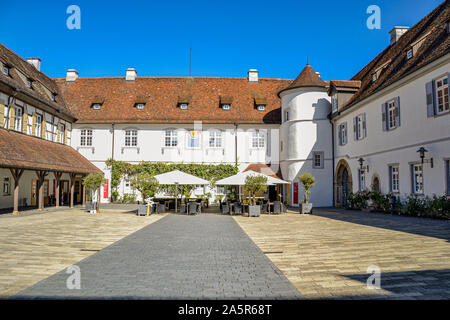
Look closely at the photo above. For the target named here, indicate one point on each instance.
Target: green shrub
(358, 200)
(380, 201)
(415, 206)
(128, 198)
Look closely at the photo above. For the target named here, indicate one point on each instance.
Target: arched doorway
(344, 183)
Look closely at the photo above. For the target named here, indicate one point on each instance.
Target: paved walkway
(186, 257)
(326, 255)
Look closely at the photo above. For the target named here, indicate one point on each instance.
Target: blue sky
(227, 37)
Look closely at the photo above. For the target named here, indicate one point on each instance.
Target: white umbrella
(239, 179)
(176, 178)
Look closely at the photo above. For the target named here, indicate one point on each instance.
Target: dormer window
(140, 106)
(183, 106)
(6, 70)
(261, 107)
(96, 106)
(183, 102)
(374, 77)
(260, 103)
(225, 103)
(29, 84)
(53, 97)
(409, 54)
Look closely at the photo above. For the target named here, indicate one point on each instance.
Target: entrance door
(345, 187)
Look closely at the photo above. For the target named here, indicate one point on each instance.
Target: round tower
(306, 138)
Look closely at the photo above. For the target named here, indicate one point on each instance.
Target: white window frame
(131, 137)
(344, 134)
(86, 136)
(38, 125)
(226, 106)
(320, 155)
(440, 89)
(258, 140)
(197, 137)
(183, 106)
(18, 119)
(359, 127)
(334, 102)
(140, 106)
(395, 178)
(6, 186)
(6, 70)
(171, 138)
(62, 130)
(417, 178)
(286, 115)
(261, 107)
(215, 139)
(96, 106)
(391, 117)
(409, 54)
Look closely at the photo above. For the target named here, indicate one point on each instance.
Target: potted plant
(255, 184)
(147, 185)
(93, 182)
(308, 181)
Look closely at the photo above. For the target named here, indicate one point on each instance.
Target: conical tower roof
(307, 78)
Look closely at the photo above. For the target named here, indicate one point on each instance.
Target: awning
(239, 179)
(179, 178)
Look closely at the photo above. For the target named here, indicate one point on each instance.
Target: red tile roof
(39, 79)
(162, 94)
(18, 150)
(307, 78)
(393, 59)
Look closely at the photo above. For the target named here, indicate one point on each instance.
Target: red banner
(295, 192)
(106, 189)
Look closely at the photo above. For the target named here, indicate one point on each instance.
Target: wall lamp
(362, 166)
(422, 151)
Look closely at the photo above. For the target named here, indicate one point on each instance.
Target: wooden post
(58, 185)
(41, 176)
(16, 174)
(83, 196)
(72, 187)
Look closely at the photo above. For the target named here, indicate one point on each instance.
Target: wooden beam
(58, 187)
(41, 174)
(16, 174)
(72, 187)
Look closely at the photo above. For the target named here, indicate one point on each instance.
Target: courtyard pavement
(178, 257)
(326, 255)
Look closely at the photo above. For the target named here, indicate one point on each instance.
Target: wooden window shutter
(364, 125)
(355, 135)
(397, 111)
(384, 116)
(341, 141)
(412, 178)
(24, 122)
(43, 127)
(269, 142)
(12, 116)
(33, 125)
(58, 131)
(431, 100)
(65, 135)
(390, 178)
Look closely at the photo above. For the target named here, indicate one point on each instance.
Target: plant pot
(142, 210)
(254, 211)
(306, 208)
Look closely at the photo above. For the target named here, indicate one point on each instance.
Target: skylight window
(409, 54)
(226, 106)
(261, 107)
(140, 106)
(96, 106)
(183, 106)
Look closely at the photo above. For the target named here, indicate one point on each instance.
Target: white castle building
(364, 133)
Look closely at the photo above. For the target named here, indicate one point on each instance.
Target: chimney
(131, 74)
(396, 33)
(72, 75)
(35, 62)
(253, 75)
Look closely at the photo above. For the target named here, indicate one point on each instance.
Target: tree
(255, 184)
(93, 182)
(308, 181)
(146, 184)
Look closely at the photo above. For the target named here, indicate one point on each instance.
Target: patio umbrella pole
(176, 197)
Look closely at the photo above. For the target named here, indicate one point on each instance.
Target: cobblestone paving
(36, 246)
(186, 257)
(326, 255)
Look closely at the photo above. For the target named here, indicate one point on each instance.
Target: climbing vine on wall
(210, 172)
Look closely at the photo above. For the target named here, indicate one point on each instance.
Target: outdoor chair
(277, 207)
(192, 208)
(225, 209)
(237, 209)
